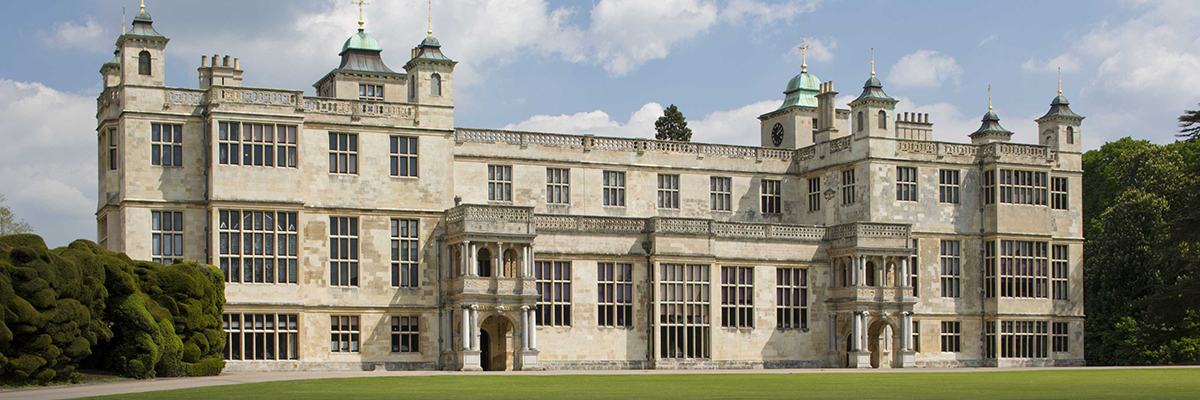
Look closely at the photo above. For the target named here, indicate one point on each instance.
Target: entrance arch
(496, 343)
(883, 353)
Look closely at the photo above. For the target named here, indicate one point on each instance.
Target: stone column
(533, 328)
(474, 328)
(524, 327)
(532, 260)
(905, 279)
(498, 265)
(862, 270)
(906, 330)
(855, 327)
(466, 330)
(863, 328)
(524, 262)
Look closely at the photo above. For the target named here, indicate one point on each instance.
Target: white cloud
(49, 168)
(1068, 62)
(988, 39)
(736, 126)
(627, 33)
(761, 14)
(70, 35)
(924, 68)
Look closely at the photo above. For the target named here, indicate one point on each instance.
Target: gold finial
(360, 4)
(803, 54)
(872, 62)
(123, 20)
(143, 5)
(989, 98)
(430, 18)
(1060, 81)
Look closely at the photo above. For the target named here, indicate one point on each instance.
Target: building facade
(361, 229)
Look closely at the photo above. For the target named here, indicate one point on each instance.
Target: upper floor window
(499, 183)
(1023, 187)
(882, 119)
(614, 188)
(1058, 193)
(668, 191)
(144, 63)
(343, 153)
(791, 298)
(343, 251)
(112, 149)
(403, 156)
(989, 187)
(906, 183)
(558, 186)
(948, 186)
(989, 269)
(814, 130)
(1061, 266)
(166, 236)
(1023, 269)
(858, 122)
(370, 92)
(257, 246)
(615, 294)
(262, 145)
(721, 193)
(404, 253)
(435, 85)
(1070, 135)
(166, 145)
(814, 194)
(951, 268)
(772, 196)
(737, 297)
(412, 89)
(848, 193)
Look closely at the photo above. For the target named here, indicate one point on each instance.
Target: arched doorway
(870, 273)
(882, 343)
(484, 258)
(496, 350)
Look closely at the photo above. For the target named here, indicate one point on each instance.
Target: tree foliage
(1189, 125)
(672, 126)
(9, 224)
(82, 305)
(1141, 226)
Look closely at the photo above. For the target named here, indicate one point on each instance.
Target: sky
(609, 67)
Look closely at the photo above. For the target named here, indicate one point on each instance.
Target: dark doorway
(484, 257)
(485, 351)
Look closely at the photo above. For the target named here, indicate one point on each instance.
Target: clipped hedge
(82, 304)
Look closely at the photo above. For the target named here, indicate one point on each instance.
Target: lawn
(1025, 385)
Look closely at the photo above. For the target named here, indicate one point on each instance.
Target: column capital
(466, 306)
(474, 307)
(866, 313)
(525, 308)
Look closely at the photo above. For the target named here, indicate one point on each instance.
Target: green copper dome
(802, 90)
(361, 41)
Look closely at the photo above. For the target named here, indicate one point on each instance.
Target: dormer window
(435, 85)
(144, 63)
(370, 92)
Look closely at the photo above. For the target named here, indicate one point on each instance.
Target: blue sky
(609, 66)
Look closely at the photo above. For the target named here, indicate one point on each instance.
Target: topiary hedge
(82, 304)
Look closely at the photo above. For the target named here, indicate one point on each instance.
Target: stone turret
(142, 52)
(1060, 126)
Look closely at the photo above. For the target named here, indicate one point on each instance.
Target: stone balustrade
(589, 142)
(254, 96)
(871, 294)
(491, 286)
(186, 97)
(1029, 152)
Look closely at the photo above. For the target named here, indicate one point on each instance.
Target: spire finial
(803, 54)
(989, 98)
(430, 18)
(872, 62)
(360, 4)
(123, 20)
(1060, 81)
(143, 6)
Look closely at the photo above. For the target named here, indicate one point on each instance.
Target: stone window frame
(144, 67)
(500, 183)
(112, 149)
(1024, 339)
(1021, 187)
(771, 196)
(166, 236)
(814, 194)
(1058, 193)
(370, 92)
(1024, 269)
(791, 298)
(951, 268)
(344, 334)
(102, 230)
(849, 195)
(558, 186)
(668, 191)
(814, 129)
(344, 242)
(405, 257)
(273, 250)
(281, 331)
(989, 339)
(403, 160)
(553, 281)
(684, 288)
(951, 336)
(915, 268)
(989, 187)
(435, 85)
(613, 188)
(1060, 270)
(1060, 337)
(916, 335)
(949, 186)
(257, 144)
(405, 334)
(737, 297)
(166, 148)
(989, 269)
(906, 184)
(721, 193)
(614, 285)
(343, 153)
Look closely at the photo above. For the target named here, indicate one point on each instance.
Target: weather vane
(360, 4)
(803, 54)
(872, 62)
(430, 18)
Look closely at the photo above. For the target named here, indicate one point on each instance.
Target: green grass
(1024, 385)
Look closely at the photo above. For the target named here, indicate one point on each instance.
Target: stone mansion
(361, 229)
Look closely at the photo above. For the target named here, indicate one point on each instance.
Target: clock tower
(794, 124)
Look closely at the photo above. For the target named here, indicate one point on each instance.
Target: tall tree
(1189, 125)
(9, 225)
(672, 126)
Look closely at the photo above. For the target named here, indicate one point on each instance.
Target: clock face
(777, 134)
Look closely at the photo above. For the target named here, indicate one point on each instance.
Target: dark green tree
(672, 126)
(1189, 125)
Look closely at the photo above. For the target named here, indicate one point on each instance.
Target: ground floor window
(554, 292)
(737, 297)
(1060, 337)
(683, 314)
(951, 336)
(791, 298)
(405, 334)
(615, 294)
(989, 341)
(343, 334)
(1024, 339)
(260, 336)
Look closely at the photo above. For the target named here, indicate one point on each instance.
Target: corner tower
(873, 112)
(430, 73)
(1060, 126)
(141, 51)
